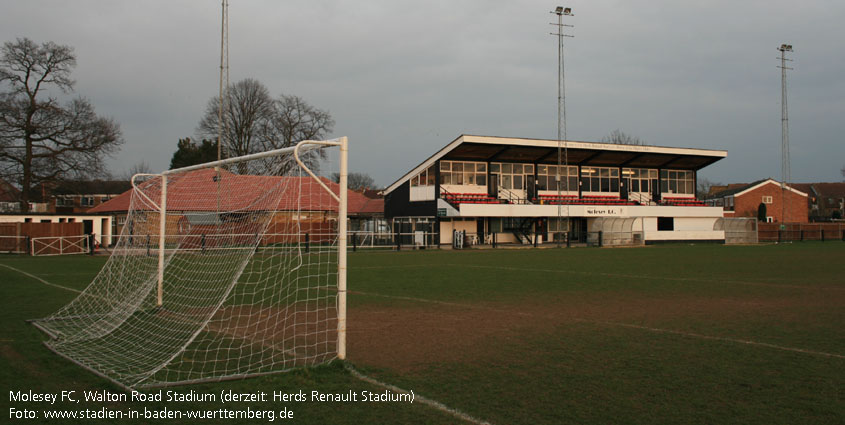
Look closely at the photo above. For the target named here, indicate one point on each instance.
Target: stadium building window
(425, 178)
(463, 173)
(677, 181)
(639, 179)
(600, 179)
(512, 176)
(546, 177)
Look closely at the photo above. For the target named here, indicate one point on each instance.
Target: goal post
(223, 270)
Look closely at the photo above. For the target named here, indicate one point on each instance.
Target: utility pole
(562, 158)
(784, 119)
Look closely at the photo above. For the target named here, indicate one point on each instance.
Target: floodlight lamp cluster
(560, 10)
(785, 48)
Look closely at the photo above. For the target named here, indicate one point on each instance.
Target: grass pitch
(665, 334)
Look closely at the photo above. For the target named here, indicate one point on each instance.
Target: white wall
(514, 210)
(421, 193)
(447, 228)
(686, 228)
(101, 223)
(691, 223)
(464, 188)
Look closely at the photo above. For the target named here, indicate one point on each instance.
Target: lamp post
(561, 113)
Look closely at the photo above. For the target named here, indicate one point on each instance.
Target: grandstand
(504, 190)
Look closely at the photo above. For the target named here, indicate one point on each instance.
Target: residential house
(783, 203)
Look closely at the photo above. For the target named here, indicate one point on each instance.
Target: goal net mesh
(250, 276)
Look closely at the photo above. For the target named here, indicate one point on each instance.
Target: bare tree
(42, 140)
(295, 120)
(621, 138)
(254, 122)
(356, 181)
(141, 167)
(703, 187)
(248, 111)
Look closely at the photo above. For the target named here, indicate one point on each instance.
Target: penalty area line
(41, 280)
(424, 400)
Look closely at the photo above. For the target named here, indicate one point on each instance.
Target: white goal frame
(161, 207)
(341, 198)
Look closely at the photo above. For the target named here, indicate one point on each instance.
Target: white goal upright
(223, 270)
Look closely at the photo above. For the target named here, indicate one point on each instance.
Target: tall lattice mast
(562, 157)
(224, 76)
(784, 119)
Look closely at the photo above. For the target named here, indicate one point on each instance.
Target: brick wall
(746, 204)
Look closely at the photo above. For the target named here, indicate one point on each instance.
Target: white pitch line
(451, 304)
(424, 400)
(719, 338)
(628, 325)
(41, 280)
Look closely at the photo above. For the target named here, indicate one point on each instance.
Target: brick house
(71, 197)
(9, 197)
(744, 200)
(826, 201)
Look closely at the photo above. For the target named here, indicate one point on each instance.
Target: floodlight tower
(223, 97)
(562, 159)
(784, 119)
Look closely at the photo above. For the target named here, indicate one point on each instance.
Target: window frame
(508, 174)
(599, 179)
(461, 173)
(677, 182)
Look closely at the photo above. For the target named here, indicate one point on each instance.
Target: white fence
(385, 240)
(59, 245)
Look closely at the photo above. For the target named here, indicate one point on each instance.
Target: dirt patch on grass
(415, 334)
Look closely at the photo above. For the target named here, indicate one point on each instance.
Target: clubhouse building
(505, 190)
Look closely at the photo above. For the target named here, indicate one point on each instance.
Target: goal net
(223, 270)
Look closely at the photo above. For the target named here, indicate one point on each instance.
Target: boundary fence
(797, 232)
(14, 244)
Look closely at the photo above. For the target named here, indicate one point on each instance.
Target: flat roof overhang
(578, 156)
(543, 151)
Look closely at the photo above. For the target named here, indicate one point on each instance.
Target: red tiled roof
(830, 190)
(361, 204)
(201, 191)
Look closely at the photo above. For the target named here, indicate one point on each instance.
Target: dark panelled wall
(397, 204)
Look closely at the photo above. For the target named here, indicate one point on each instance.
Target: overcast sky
(402, 79)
